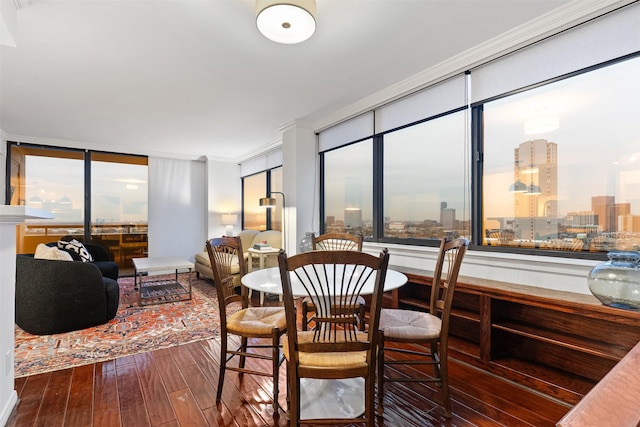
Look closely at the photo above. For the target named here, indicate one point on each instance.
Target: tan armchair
(248, 238)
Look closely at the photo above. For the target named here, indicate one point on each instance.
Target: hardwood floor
(176, 387)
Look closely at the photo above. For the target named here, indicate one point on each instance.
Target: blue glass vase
(616, 282)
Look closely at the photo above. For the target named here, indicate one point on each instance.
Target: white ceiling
(189, 78)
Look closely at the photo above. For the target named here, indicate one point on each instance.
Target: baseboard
(8, 408)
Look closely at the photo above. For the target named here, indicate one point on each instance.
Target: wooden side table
(262, 255)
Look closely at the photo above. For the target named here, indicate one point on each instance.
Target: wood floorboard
(106, 406)
(177, 387)
(79, 410)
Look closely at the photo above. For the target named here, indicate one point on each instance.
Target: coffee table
(161, 290)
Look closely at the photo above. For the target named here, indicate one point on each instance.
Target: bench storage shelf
(557, 343)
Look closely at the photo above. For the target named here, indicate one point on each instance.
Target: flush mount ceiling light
(286, 21)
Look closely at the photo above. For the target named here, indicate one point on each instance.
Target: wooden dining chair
(336, 348)
(424, 329)
(247, 322)
(334, 242)
(337, 242)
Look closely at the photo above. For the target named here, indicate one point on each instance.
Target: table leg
(138, 285)
(261, 258)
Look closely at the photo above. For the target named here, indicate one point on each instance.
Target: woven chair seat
(409, 325)
(257, 321)
(327, 360)
(311, 306)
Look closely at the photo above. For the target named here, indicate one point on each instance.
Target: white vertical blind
(605, 38)
(263, 162)
(177, 207)
(346, 132)
(439, 98)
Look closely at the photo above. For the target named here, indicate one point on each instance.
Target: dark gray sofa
(61, 296)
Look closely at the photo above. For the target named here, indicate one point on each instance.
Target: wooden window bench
(558, 343)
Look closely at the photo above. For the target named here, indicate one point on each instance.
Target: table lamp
(229, 220)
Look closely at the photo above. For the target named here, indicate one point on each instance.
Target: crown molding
(109, 148)
(261, 151)
(567, 16)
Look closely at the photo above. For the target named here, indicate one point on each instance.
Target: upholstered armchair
(101, 259)
(61, 296)
(248, 239)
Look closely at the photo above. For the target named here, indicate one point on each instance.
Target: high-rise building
(608, 212)
(536, 189)
(447, 216)
(352, 218)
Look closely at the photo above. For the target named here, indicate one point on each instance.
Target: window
(119, 202)
(255, 187)
(348, 189)
(561, 164)
(557, 171)
(424, 180)
(54, 179)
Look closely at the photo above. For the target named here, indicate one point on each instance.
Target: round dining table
(268, 280)
(343, 398)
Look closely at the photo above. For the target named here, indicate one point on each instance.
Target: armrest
(98, 252)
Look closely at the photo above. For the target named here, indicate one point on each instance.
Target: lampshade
(268, 202)
(518, 187)
(286, 21)
(229, 219)
(532, 190)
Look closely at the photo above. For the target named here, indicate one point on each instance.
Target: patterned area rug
(134, 330)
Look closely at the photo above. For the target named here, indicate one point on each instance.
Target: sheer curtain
(177, 207)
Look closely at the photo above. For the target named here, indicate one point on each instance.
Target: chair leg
(243, 348)
(294, 404)
(223, 366)
(380, 372)
(276, 368)
(444, 381)
(369, 386)
(288, 391)
(361, 314)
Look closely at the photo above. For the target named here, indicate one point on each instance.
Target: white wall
(8, 396)
(562, 274)
(300, 182)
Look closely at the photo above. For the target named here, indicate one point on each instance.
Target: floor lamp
(270, 202)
